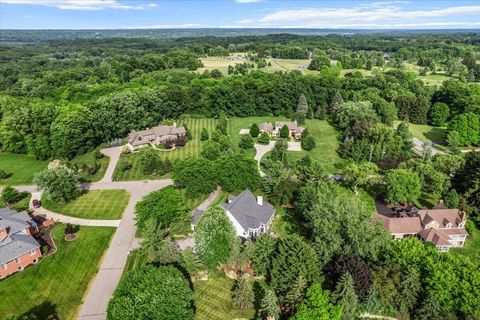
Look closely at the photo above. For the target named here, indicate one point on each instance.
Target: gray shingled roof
(245, 209)
(149, 135)
(291, 125)
(15, 244)
(13, 221)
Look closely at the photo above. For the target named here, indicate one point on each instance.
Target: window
(32, 252)
(17, 260)
(461, 224)
(449, 225)
(4, 266)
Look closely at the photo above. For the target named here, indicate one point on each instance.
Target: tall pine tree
(345, 297)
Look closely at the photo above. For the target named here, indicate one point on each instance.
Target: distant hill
(33, 36)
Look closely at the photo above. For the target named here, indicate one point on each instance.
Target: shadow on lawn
(435, 135)
(46, 310)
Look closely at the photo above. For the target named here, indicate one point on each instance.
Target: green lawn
(21, 168)
(472, 245)
(213, 300)
(286, 223)
(58, 281)
(426, 132)
(93, 204)
(192, 148)
(327, 144)
(89, 159)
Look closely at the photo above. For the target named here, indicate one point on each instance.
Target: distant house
(250, 215)
(18, 249)
(155, 135)
(444, 227)
(295, 131)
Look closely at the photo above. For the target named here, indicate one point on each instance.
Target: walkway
(263, 149)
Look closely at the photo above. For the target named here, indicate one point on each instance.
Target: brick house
(443, 227)
(18, 248)
(155, 135)
(295, 131)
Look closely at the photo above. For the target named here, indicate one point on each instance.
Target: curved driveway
(111, 268)
(262, 149)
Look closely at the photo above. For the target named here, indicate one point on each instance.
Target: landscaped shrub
(10, 195)
(308, 143)
(264, 138)
(284, 132)
(4, 174)
(204, 134)
(124, 166)
(246, 142)
(254, 130)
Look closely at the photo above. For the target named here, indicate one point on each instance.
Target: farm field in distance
(57, 282)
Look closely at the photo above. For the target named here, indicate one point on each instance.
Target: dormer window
(461, 224)
(448, 226)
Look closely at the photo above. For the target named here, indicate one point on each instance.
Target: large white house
(250, 215)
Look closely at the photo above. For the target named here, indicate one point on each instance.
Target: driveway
(263, 149)
(418, 148)
(123, 241)
(114, 155)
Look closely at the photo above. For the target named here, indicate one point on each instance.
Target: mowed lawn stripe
(93, 204)
(59, 280)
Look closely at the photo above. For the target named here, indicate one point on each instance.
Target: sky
(133, 14)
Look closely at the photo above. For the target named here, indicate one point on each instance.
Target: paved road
(96, 301)
(263, 149)
(111, 268)
(418, 148)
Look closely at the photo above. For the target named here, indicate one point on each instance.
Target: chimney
(3, 234)
(260, 200)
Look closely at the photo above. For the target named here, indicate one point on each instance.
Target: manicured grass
(472, 245)
(21, 168)
(286, 223)
(191, 149)
(327, 144)
(89, 159)
(59, 280)
(425, 132)
(213, 299)
(93, 204)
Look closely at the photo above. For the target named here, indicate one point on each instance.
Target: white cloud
(82, 4)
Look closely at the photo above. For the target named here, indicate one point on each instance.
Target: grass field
(425, 132)
(192, 148)
(472, 245)
(93, 204)
(213, 300)
(327, 144)
(58, 281)
(21, 168)
(89, 159)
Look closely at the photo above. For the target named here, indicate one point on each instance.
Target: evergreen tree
(204, 136)
(453, 141)
(344, 296)
(408, 292)
(261, 253)
(296, 294)
(242, 294)
(302, 105)
(254, 130)
(269, 309)
(335, 103)
(284, 132)
(293, 258)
